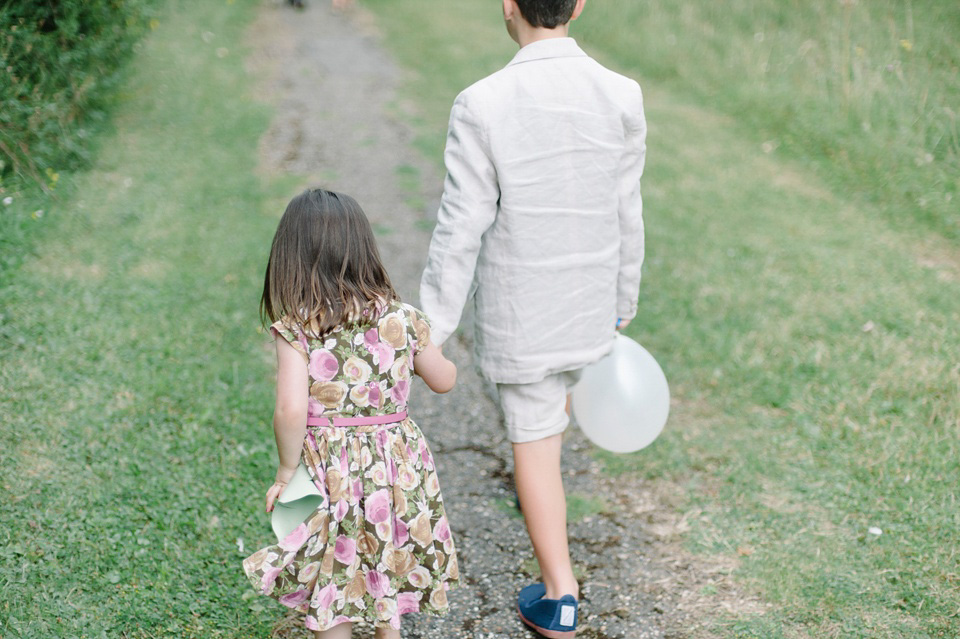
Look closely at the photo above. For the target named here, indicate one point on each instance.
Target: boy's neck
(527, 35)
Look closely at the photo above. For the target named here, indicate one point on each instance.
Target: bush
(60, 62)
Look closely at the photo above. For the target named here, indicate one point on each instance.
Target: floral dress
(379, 546)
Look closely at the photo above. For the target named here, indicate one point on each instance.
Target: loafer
(552, 618)
(530, 594)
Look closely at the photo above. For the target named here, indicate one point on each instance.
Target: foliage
(60, 62)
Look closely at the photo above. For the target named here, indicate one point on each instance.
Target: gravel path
(333, 88)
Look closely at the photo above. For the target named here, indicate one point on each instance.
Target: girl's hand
(437, 371)
(279, 484)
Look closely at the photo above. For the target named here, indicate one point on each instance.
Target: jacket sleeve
(467, 209)
(631, 211)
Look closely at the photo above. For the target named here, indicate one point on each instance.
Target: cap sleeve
(281, 330)
(418, 329)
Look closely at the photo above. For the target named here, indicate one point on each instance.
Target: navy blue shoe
(552, 618)
(530, 594)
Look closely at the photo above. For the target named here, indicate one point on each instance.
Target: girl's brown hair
(324, 267)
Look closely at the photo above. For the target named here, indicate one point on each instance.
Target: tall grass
(867, 91)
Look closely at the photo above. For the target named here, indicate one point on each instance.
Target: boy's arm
(467, 209)
(631, 213)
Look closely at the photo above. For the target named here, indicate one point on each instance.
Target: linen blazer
(541, 219)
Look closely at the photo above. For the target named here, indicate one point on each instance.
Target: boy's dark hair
(546, 13)
(324, 267)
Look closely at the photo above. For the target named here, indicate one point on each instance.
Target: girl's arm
(439, 373)
(289, 416)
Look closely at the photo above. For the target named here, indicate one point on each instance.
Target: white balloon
(622, 401)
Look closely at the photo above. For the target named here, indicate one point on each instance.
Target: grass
(801, 300)
(134, 441)
(866, 92)
(22, 209)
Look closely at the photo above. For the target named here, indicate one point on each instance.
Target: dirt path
(333, 87)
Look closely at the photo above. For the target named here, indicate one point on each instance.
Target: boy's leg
(540, 488)
(536, 416)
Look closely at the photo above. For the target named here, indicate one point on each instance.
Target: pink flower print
(387, 611)
(383, 353)
(377, 509)
(356, 371)
(441, 532)
(323, 365)
(400, 532)
(400, 391)
(314, 408)
(295, 599)
(382, 442)
(371, 339)
(384, 530)
(269, 577)
(295, 539)
(339, 620)
(426, 456)
(387, 355)
(341, 510)
(401, 368)
(378, 584)
(375, 396)
(324, 598)
(357, 490)
(408, 602)
(308, 572)
(345, 550)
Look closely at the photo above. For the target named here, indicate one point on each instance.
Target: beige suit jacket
(540, 224)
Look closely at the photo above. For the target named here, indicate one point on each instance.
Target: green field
(802, 285)
(132, 395)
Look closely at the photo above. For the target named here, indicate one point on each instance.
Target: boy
(541, 223)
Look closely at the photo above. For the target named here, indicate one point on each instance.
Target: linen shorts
(537, 410)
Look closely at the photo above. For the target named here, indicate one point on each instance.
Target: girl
(379, 546)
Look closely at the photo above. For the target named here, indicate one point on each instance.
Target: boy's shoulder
(501, 86)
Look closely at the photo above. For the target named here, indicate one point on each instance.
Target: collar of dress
(549, 48)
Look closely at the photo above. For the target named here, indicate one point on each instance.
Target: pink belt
(357, 421)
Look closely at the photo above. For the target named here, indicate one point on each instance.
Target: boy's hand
(622, 324)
